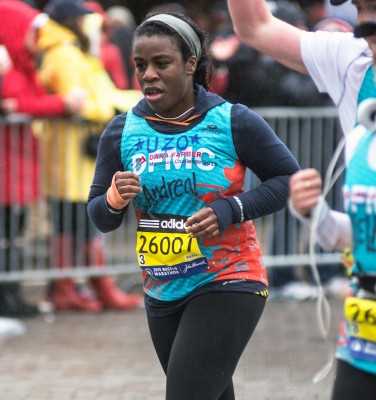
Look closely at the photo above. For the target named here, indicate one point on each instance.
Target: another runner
(356, 353)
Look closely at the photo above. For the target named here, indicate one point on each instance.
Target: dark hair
(72, 24)
(203, 73)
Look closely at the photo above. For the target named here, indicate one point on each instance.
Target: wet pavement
(109, 356)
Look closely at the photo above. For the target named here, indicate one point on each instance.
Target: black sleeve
(259, 149)
(108, 163)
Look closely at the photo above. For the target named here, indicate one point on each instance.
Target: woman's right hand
(305, 190)
(128, 185)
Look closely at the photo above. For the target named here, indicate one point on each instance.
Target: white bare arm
(257, 27)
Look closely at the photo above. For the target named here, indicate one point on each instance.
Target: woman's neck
(178, 118)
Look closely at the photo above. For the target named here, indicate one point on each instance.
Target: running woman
(180, 157)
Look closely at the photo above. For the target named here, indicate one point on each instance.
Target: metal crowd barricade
(311, 134)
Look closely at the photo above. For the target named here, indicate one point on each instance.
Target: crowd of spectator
(57, 69)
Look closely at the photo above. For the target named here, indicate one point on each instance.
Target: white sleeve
(337, 62)
(327, 57)
(334, 230)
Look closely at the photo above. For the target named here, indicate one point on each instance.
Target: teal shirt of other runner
(360, 204)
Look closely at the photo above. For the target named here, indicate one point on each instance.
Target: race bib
(164, 250)
(361, 320)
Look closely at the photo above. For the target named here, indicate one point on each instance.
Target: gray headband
(183, 29)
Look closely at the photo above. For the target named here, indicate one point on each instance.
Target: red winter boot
(112, 297)
(107, 292)
(62, 292)
(64, 297)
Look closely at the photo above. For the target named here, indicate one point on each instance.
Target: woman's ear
(191, 65)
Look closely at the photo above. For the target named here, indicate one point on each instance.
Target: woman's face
(165, 79)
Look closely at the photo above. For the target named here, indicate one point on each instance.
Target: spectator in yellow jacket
(69, 155)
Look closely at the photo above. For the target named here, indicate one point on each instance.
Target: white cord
(323, 312)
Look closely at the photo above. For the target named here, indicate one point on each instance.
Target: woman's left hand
(203, 224)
